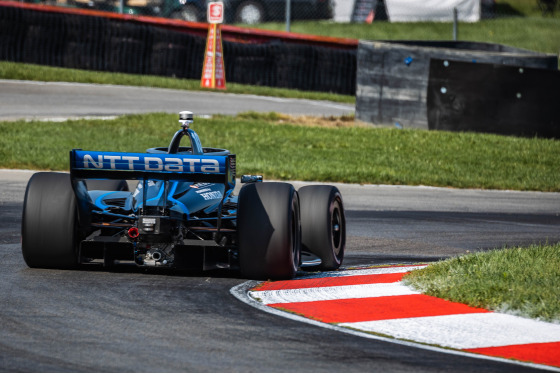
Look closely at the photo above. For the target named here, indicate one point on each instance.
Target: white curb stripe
(464, 331)
(369, 271)
(332, 293)
(241, 293)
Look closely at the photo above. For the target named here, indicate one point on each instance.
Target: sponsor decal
(211, 195)
(138, 162)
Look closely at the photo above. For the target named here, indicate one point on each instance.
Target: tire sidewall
(269, 231)
(319, 204)
(49, 229)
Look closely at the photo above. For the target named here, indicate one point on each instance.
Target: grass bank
(534, 33)
(521, 281)
(517, 23)
(280, 148)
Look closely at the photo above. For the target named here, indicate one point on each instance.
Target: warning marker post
(213, 72)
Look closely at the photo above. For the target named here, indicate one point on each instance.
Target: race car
(180, 212)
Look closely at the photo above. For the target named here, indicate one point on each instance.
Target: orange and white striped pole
(213, 71)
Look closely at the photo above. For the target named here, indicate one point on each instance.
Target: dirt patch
(331, 121)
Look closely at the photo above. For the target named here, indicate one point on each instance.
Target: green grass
(522, 281)
(12, 70)
(520, 24)
(533, 33)
(290, 152)
(521, 8)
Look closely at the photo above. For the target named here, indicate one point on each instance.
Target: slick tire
(269, 231)
(323, 224)
(49, 223)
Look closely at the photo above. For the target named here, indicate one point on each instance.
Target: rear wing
(115, 165)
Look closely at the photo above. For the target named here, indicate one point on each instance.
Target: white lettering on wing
(130, 160)
(88, 159)
(171, 164)
(174, 164)
(149, 164)
(212, 166)
(191, 163)
(112, 160)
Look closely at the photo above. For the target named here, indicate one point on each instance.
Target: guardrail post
(288, 14)
(455, 24)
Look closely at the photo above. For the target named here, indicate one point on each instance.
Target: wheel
(249, 12)
(187, 13)
(49, 235)
(106, 185)
(323, 224)
(269, 231)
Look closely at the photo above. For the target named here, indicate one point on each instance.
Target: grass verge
(520, 281)
(279, 147)
(13, 70)
(533, 33)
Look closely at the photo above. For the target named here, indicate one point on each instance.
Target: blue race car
(182, 213)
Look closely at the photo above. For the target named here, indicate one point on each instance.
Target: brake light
(133, 232)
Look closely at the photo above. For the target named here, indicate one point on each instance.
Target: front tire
(49, 235)
(323, 224)
(269, 231)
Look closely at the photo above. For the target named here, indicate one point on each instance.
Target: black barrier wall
(393, 76)
(97, 43)
(493, 98)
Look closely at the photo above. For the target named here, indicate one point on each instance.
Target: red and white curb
(374, 301)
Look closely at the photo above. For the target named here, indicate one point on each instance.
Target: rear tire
(49, 235)
(323, 224)
(269, 231)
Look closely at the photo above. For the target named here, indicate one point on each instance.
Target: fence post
(288, 14)
(455, 24)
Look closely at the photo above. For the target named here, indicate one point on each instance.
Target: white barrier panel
(432, 10)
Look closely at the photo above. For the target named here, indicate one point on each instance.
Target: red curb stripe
(350, 280)
(541, 353)
(376, 308)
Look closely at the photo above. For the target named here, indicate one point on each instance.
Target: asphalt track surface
(59, 100)
(133, 320)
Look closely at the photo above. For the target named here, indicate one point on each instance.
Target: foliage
(522, 281)
(282, 149)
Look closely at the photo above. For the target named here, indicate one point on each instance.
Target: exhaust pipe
(157, 255)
